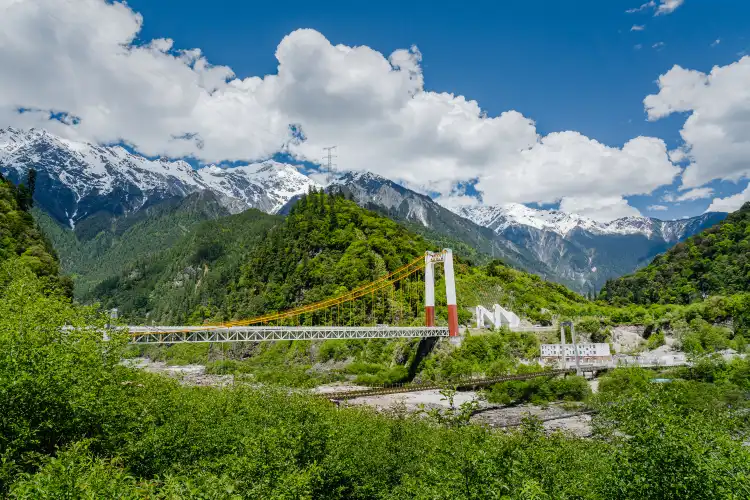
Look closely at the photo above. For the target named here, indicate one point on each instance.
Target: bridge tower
(446, 258)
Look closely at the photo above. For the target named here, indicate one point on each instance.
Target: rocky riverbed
(554, 416)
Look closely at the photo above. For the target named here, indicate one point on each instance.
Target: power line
(328, 158)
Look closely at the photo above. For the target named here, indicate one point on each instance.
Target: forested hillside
(186, 282)
(19, 234)
(714, 262)
(102, 246)
(252, 263)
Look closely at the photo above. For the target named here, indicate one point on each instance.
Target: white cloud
(730, 203)
(716, 42)
(637, 27)
(645, 6)
(716, 133)
(664, 7)
(658, 45)
(668, 6)
(80, 57)
(638, 46)
(696, 194)
(693, 194)
(598, 208)
(657, 208)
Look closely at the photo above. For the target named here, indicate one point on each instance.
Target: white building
(587, 353)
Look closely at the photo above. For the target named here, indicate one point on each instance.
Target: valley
(373, 251)
(103, 191)
(188, 261)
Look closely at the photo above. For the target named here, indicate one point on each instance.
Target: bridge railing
(181, 334)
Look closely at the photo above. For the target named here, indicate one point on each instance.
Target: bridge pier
(446, 257)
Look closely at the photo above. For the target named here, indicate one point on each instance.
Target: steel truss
(183, 334)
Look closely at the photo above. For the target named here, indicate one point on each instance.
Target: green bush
(540, 390)
(625, 380)
(656, 340)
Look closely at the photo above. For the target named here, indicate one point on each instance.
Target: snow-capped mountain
(582, 250)
(500, 218)
(79, 182)
(76, 180)
(572, 249)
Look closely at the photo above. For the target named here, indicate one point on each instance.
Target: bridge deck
(192, 334)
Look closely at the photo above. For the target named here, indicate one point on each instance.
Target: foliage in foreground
(73, 423)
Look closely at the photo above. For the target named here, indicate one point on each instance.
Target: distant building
(588, 354)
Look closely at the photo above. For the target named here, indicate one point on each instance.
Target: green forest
(713, 262)
(239, 266)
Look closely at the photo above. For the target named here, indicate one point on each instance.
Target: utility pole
(328, 161)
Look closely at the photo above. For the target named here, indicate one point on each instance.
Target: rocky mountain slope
(425, 216)
(582, 250)
(93, 253)
(76, 181)
(713, 262)
(96, 189)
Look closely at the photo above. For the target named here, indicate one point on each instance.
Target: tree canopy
(713, 262)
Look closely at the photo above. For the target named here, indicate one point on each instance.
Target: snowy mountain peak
(500, 218)
(81, 179)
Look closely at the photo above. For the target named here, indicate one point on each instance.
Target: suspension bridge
(400, 304)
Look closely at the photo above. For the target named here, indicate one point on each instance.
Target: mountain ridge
(713, 262)
(91, 188)
(81, 180)
(500, 218)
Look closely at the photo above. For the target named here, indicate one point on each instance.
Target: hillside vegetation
(713, 262)
(248, 264)
(77, 424)
(19, 235)
(102, 246)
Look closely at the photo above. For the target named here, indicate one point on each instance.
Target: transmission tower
(330, 165)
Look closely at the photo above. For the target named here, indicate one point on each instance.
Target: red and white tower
(446, 257)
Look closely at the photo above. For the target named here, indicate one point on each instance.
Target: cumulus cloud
(691, 195)
(637, 27)
(657, 208)
(715, 133)
(716, 42)
(730, 203)
(658, 45)
(80, 60)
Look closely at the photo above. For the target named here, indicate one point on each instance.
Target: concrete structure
(430, 259)
(588, 354)
(499, 317)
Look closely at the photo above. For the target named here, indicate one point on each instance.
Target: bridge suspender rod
(321, 305)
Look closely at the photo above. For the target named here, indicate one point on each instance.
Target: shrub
(540, 390)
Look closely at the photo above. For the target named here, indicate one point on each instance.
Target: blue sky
(568, 66)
